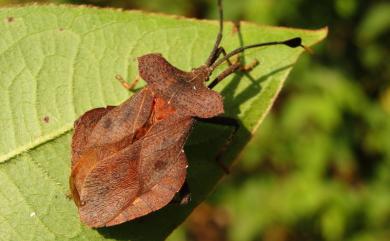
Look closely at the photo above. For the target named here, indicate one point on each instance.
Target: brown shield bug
(128, 160)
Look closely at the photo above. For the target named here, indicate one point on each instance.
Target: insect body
(132, 155)
(128, 160)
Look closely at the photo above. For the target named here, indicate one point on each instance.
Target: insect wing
(123, 121)
(100, 138)
(110, 187)
(162, 167)
(83, 128)
(158, 196)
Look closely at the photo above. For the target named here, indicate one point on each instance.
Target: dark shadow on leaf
(153, 226)
(232, 102)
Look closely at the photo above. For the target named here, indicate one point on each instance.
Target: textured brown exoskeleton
(128, 160)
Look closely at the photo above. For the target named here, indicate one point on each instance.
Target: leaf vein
(37, 142)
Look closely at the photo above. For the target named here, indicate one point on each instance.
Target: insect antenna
(214, 53)
(292, 43)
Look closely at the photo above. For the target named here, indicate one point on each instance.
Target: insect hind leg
(182, 197)
(223, 121)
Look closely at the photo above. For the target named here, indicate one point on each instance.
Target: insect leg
(224, 121)
(250, 66)
(233, 67)
(214, 52)
(129, 86)
(220, 51)
(183, 197)
(230, 70)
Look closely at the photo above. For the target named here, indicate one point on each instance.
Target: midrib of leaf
(37, 142)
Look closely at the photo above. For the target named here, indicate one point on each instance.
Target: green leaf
(59, 61)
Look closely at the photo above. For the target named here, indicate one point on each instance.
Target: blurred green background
(319, 166)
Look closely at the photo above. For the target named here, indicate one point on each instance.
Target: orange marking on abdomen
(162, 109)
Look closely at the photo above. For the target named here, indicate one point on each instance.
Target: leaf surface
(59, 61)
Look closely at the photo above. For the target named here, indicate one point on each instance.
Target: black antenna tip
(294, 42)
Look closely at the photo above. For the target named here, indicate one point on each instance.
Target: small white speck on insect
(32, 214)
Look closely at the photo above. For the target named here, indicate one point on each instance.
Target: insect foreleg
(230, 70)
(220, 51)
(233, 67)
